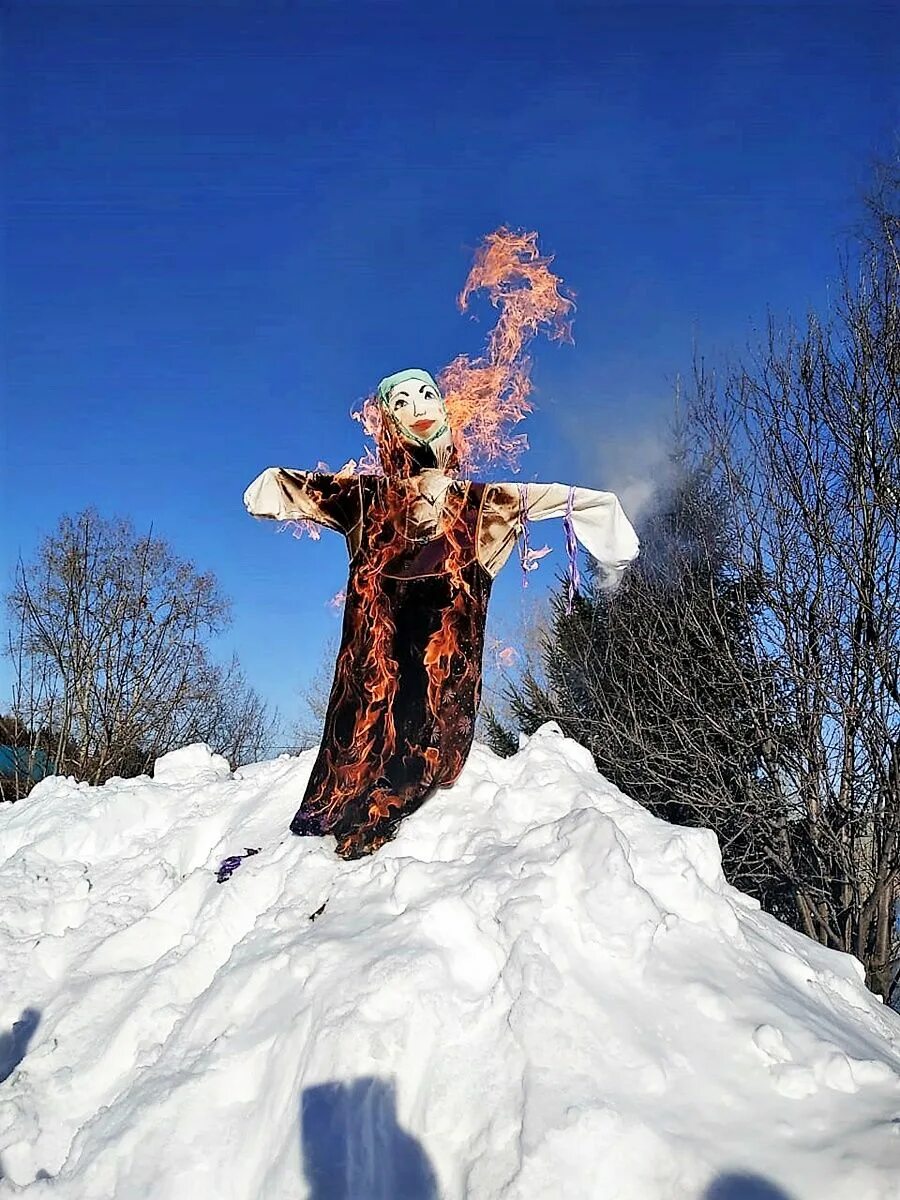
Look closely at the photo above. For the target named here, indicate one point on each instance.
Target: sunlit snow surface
(537, 992)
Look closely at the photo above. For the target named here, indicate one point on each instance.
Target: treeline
(111, 643)
(745, 676)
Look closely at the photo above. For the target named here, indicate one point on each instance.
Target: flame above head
(487, 396)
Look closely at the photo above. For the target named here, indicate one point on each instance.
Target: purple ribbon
(529, 558)
(525, 550)
(228, 866)
(573, 578)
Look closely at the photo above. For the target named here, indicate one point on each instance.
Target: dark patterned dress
(423, 550)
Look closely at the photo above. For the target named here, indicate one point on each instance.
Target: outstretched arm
(598, 521)
(281, 494)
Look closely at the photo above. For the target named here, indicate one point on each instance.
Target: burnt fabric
(424, 548)
(414, 619)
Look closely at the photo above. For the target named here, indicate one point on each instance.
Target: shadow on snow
(354, 1149)
(14, 1045)
(740, 1186)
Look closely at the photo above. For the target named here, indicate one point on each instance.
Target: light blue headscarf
(391, 381)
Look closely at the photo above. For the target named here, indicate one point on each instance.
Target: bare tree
(112, 657)
(807, 440)
(307, 730)
(746, 675)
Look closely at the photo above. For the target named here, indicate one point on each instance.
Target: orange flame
(487, 396)
(374, 735)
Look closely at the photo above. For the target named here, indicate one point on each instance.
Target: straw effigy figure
(425, 543)
(424, 548)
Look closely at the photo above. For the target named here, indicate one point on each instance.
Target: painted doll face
(418, 411)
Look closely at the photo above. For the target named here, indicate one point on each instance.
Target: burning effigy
(425, 542)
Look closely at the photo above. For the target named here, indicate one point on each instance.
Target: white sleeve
(282, 494)
(598, 520)
(265, 497)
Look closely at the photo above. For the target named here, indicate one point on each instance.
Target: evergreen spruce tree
(652, 677)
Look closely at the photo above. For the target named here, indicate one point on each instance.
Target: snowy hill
(537, 991)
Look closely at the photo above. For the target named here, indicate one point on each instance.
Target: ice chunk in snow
(537, 992)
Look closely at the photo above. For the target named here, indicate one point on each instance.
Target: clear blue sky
(225, 222)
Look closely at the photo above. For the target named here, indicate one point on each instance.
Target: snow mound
(537, 992)
(192, 764)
